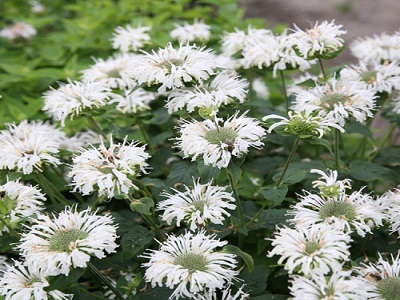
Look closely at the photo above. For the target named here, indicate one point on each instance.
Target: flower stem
(51, 190)
(143, 131)
(336, 145)
(238, 204)
(321, 65)
(96, 272)
(96, 127)
(289, 160)
(284, 89)
(383, 143)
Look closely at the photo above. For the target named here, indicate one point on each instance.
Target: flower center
(192, 262)
(338, 209)
(389, 288)
(369, 76)
(329, 191)
(330, 100)
(65, 240)
(311, 247)
(167, 64)
(221, 135)
(114, 73)
(30, 282)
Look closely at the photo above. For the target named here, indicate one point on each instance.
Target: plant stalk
(289, 160)
(321, 65)
(284, 89)
(96, 127)
(96, 272)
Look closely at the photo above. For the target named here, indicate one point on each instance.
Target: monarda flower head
(130, 38)
(323, 40)
(198, 31)
(191, 264)
(303, 124)
(108, 171)
(56, 244)
(337, 101)
(197, 206)
(217, 144)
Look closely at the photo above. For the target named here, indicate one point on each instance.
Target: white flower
(190, 264)
(3, 265)
(235, 42)
(173, 68)
(36, 7)
(109, 171)
(20, 30)
(260, 88)
(19, 201)
(216, 144)
(130, 39)
(112, 72)
(73, 98)
(382, 279)
(318, 249)
(329, 185)
(377, 49)
(337, 101)
(198, 31)
(133, 100)
(23, 283)
(55, 245)
(390, 202)
(81, 139)
(226, 294)
(29, 146)
(221, 90)
(378, 78)
(322, 40)
(197, 206)
(356, 211)
(338, 286)
(303, 124)
(272, 51)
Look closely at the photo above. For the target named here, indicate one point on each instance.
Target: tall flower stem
(238, 205)
(96, 272)
(96, 127)
(51, 189)
(321, 65)
(289, 160)
(336, 140)
(284, 89)
(384, 142)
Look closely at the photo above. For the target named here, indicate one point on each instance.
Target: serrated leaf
(182, 172)
(369, 171)
(275, 195)
(256, 280)
(292, 176)
(135, 241)
(142, 205)
(247, 258)
(322, 142)
(269, 218)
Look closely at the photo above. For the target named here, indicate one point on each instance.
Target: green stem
(383, 143)
(96, 127)
(257, 214)
(51, 190)
(236, 195)
(336, 145)
(289, 160)
(96, 272)
(149, 221)
(284, 89)
(321, 65)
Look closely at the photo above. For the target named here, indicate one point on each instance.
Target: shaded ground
(359, 17)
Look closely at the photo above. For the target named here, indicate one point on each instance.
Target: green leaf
(247, 258)
(182, 172)
(61, 282)
(357, 127)
(275, 195)
(269, 218)
(156, 293)
(256, 280)
(206, 172)
(135, 241)
(322, 142)
(270, 297)
(142, 205)
(369, 171)
(292, 176)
